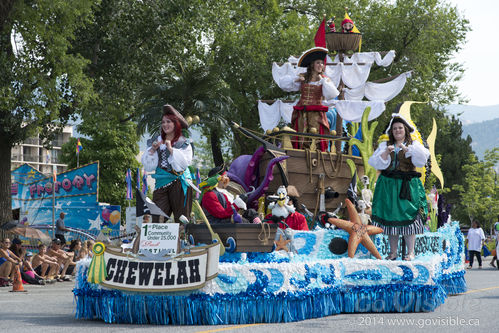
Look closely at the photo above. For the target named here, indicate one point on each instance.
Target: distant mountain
(469, 114)
(479, 122)
(485, 135)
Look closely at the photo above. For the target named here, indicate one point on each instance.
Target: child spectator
(44, 266)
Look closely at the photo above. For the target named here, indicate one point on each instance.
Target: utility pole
(54, 179)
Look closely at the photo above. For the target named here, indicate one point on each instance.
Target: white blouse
(289, 83)
(416, 151)
(180, 159)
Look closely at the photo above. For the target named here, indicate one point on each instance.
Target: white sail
(353, 72)
(352, 75)
(353, 110)
(271, 114)
(368, 57)
(378, 91)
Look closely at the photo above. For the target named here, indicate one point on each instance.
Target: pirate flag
(352, 190)
(144, 205)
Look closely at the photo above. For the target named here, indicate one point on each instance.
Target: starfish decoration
(358, 232)
(281, 244)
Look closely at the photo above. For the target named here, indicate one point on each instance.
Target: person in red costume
(217, 203)
(347, 25)
(309, 114)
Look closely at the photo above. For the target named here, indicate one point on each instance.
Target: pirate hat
(170, 110)
(311, 55)
(398, 117)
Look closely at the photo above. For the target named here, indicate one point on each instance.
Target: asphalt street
(50, 308)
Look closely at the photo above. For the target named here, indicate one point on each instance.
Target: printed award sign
(159, 237)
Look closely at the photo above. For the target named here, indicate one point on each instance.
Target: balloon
(115, 217)
(105, 214)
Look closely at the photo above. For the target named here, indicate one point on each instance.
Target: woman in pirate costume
(314, 87)
(170, 155)
(399, 203)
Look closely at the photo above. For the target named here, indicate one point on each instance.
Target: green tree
(130, 46)
(42, 84)
(114, 145)
(193, 90)
(479, 193)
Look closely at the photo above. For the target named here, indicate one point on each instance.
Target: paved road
(50, 308)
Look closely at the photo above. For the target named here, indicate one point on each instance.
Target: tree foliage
(479, 193)
(41, 84)
(130, 45)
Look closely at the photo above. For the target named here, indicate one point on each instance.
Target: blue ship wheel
(231, 242)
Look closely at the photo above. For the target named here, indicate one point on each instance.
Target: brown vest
(310, 94)
(405, 163)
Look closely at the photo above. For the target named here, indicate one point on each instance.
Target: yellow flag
(355, 30)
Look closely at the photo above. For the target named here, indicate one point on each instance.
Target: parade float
(258, 273)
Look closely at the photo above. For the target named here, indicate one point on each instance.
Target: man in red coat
(216, 205)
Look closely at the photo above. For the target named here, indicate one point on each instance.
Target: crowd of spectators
(44, 265)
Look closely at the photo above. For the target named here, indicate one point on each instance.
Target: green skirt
(391, 211)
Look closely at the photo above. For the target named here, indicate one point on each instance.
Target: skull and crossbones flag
(144, 205)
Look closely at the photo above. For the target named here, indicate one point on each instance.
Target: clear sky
(480, 54)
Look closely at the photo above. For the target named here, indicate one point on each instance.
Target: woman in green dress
(399, 203)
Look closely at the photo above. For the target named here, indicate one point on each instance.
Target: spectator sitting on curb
(75, 250)
(8, 263)
(16, 247)
(27, 273)
(89, 244)
(44, 265)
(63, 259)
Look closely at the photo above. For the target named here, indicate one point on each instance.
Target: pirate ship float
(312, 170)
(312, 274)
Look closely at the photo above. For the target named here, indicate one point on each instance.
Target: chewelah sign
(187, 272)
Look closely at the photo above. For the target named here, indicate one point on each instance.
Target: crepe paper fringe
(454, 283)
(115, 306)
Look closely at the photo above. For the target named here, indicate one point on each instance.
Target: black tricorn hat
(311, 55)
(168, 109)
(218, 170)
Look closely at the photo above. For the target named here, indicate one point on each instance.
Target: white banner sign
(190, 271)
(131, 219)
(156, 237)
